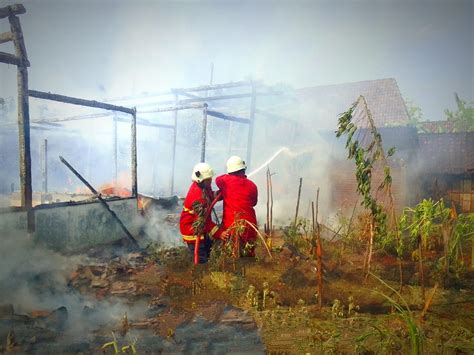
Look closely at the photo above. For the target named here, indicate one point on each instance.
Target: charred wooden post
(175, 132)
(134, 153)
(298, 201)
(44, 167)
(23, 108)
(204, 134)
(115, 148)
(12, 10)
(251, 125)
(101, 200)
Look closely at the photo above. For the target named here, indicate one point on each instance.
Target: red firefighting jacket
(240, 195)
(190, 214)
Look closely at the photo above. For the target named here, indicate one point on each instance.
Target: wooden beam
(227, 117)
(80, 102)
(213, 98)
(6, 37)
(73, 118)
(16, 9)
(9, 59)
(215, 86)
(18, 40)
(174, 108)
(142, 122)
(184, 93)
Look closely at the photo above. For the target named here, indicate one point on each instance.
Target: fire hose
(206, 216)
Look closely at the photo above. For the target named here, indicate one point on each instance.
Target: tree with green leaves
(463, 118)
(415, 114)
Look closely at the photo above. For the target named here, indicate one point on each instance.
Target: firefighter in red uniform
(240, 196)
(195, 221)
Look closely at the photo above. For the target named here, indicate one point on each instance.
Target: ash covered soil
(155, 301)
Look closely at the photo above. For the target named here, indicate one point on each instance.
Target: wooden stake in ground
(298, 201)
(428, 303)
(319, 253)
(269, 224)
(370, 247)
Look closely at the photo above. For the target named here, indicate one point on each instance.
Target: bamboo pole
(298, 201)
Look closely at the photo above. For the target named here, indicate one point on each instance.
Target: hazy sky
(98, 49)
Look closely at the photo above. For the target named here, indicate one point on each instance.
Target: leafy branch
(368, 155)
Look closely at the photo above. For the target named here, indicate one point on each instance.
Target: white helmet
(201, 172)
(235, 163)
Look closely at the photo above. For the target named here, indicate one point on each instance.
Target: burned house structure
(75, 218)
(144, 137)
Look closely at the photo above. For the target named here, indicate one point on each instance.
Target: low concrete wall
(12, 220)
(72, 227)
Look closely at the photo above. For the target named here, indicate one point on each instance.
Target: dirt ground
(158, 302)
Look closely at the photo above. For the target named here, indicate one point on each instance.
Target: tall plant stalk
(319, 252)
(366, 158)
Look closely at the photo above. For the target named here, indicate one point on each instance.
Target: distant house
(424, 165)
(447, 167)
(321, 106)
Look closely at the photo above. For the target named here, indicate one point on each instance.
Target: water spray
(277, 153)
